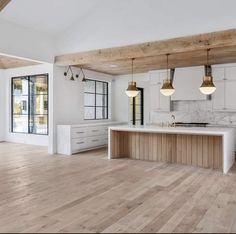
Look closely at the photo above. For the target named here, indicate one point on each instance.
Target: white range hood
(187, 82)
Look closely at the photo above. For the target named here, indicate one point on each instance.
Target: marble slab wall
(194, 111)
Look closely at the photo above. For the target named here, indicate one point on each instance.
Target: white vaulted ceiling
(50, 16)
(81, 25)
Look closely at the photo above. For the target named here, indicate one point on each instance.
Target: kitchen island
(201, 146)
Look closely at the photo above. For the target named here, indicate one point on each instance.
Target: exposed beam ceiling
(150, 52)
(3, 4)
(145, 64)
(7, 62)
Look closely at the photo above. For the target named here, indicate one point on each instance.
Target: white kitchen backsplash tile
(194, 111)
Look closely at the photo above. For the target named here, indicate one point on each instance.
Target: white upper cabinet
(230, 73)
(158, 102)
(230, 95)
(187, 82)
(225, 94)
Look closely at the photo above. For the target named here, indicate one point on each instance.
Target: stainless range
(190, 124)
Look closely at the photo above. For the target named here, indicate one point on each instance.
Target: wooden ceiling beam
(177, 45)
(3, 4)
(145, 64)
(7, 62)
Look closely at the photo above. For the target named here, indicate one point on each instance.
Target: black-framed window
(136, 108)
(30, 104)
(95, 100)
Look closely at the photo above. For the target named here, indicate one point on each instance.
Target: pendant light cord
(167, 65)
(132, 69)
(207, 62)
(208, 50)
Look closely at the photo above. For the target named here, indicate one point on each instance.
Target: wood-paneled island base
(203, 147)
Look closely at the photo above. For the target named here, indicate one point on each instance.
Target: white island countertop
(175, 130)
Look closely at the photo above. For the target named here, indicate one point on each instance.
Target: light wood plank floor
(88, 193)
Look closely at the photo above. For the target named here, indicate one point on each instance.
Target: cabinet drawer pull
(79, 143)
(79, 132)
(94, 130)
(95, 140)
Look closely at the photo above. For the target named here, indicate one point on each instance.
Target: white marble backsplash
(194, 111)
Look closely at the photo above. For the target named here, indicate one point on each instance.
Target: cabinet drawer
(78, 144)
(95, 131)
(93, 141)
(78, 132)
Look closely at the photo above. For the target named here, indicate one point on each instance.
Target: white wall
(121, 100)
(2, 105)
(26, 43)
(27, 138)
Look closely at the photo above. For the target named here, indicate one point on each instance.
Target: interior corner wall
(25, 71)
(2, 105)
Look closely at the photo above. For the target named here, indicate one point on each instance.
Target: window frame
(28, 95)
(95, 97)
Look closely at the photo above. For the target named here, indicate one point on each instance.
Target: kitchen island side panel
(196, 150)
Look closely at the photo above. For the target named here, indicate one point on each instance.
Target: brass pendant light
(207, 86)
(132, 90)
(167, 87)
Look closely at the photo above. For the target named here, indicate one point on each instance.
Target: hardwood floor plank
(88, 193)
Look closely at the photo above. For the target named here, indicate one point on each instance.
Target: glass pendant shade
(167, 88)
(132, 90)
(207, 86)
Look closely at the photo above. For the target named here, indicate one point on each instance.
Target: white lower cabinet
(73, 139)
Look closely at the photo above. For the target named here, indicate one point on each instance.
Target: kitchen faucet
(173, 120)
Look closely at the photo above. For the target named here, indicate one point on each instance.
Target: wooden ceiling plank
(177, 45)
(3, 4)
